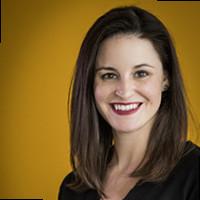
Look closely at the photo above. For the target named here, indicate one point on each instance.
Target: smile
(125, 108)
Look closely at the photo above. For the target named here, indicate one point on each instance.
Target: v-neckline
(133, 190)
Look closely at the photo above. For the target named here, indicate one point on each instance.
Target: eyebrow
(113, 69)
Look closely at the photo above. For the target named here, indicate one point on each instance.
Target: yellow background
(40, 43)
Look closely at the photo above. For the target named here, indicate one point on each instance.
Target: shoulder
(190, 162)
(185, 176)
(183, 181)
(68, 179)
(65, 192)
(192, 154)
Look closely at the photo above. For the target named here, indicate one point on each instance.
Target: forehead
(127, 50)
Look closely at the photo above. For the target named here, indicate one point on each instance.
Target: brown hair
(91, 135)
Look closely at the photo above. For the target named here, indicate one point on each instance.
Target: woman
(128, 115)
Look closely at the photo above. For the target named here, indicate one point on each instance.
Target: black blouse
(182, 183)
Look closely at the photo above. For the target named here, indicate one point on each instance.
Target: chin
(125, 129)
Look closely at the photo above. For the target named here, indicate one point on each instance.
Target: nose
(125, 88)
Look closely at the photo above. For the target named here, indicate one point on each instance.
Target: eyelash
(141, 74)
(138, 74)
(108, 76)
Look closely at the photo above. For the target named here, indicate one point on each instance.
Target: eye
(108, 76)
(141, 74)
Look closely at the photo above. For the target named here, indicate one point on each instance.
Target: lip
(125, 112)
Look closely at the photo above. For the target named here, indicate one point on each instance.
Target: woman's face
(128, 83)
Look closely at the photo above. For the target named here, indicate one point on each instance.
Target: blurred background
(40, 43)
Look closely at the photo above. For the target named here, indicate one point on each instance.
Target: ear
(165, 84)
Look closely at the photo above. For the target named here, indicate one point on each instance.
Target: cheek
(153, 91)
(98, 94)
(102, 92)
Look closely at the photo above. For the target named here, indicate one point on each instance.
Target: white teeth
(123, 107)
(135, 106)
(126, 107)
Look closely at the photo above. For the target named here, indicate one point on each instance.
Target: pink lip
(125, 112)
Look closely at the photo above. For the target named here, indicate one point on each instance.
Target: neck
(130, 149)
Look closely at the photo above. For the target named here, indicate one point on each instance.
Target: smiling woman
(128, 114)
(134, 87)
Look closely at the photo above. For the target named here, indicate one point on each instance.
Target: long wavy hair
(91, 136)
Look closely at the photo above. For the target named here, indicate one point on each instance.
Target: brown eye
(108, 76)
(141, 74)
